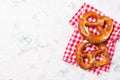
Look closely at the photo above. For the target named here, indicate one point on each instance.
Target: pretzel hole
(92, 29)
(104, 25)
(91, 19)
(90, 48)
(85, 60)
(99, 57)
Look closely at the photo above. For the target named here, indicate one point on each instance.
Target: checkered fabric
(77, 37)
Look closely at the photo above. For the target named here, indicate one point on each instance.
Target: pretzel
(91, 56)
(99, 23)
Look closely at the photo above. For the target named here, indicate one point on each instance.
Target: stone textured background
(34, 35)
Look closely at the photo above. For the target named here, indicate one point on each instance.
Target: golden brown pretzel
(91, 56)
(99, 24)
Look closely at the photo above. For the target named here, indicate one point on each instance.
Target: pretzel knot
(104, 27)
(91, 56)
(103, 24)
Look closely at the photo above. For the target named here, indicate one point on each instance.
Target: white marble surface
(34, 34)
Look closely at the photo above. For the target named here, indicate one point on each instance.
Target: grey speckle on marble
(34, 35)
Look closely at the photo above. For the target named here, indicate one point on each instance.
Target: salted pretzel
(99, 23)
(91, 56)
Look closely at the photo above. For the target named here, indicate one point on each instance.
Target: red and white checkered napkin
(77, 37)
